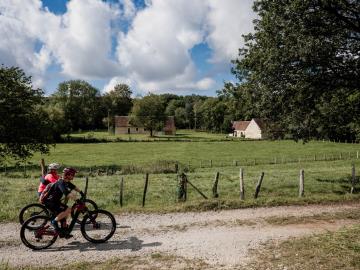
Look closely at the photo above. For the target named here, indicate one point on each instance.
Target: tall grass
(324, 182)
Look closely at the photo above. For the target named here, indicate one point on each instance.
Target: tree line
(299, 71)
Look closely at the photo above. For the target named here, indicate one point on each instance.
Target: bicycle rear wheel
(98, 226)
(90, 204)
(31, 210)
(38, 237)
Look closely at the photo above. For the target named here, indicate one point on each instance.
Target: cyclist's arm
(71, 186)
(44, 181)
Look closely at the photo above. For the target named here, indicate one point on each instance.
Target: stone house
(122, 126)
(253, 129)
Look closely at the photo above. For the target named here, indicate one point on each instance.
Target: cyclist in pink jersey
(51, 177)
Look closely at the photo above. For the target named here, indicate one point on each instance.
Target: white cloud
(156, 51)
(227, 21)
(152, 54)
(117, 80)
(22, 30)
(82, 44)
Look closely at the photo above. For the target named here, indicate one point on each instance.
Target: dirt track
(223, 237)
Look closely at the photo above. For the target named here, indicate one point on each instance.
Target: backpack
(46, 193)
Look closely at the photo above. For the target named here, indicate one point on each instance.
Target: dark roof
(122, 121)
(259, 122)
(240, 125)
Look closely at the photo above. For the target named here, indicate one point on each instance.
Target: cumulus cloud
(157, 47)
(22, 30)
(227, 21)
(152, 52)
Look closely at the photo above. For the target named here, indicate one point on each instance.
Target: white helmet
(54, 166)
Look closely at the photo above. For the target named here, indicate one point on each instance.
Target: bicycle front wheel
(31, 210)
(40, 236)
(98, 226)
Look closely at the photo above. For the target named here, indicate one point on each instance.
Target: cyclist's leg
(58, 209)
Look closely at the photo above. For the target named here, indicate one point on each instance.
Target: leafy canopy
(300, 69)
(24, 126)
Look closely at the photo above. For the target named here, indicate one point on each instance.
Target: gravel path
(222, 237)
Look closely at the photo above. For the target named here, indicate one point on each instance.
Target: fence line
(173, 166)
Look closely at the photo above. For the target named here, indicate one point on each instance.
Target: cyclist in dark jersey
(53, 202)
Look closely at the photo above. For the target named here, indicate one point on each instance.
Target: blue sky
(173, 46)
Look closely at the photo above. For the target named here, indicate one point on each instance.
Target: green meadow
(327, 168)
(325, 182)
(197, 153)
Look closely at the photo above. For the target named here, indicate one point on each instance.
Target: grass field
(193, 154)
(324, 182)
(182, 134)
(327, 173)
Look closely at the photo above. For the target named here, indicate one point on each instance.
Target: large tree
(301, 67)
(118, 101)
(80, 103)
(24, 126)
(149, 112)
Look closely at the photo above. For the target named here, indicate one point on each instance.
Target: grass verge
(332, 250)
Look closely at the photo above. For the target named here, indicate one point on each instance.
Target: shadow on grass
(132, 243)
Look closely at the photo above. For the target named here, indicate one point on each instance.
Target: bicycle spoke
(39, 237)
(98, 226)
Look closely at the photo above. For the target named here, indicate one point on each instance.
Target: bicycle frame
(79, 207)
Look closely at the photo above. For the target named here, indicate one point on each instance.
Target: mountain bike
(35, 209)
(97, 226)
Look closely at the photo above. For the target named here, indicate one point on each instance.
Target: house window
(128, 130)
(137, 129)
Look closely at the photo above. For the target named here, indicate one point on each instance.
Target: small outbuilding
(253, 129)
(123, 126)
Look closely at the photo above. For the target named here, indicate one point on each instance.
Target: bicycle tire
(96, 222)
(88, 202)
(26, 213)
(33, 238)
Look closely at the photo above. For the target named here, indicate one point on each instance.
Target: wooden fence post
(242, 191)
(258, 186)
(121, 191)
(181, 196)
(353, 178)
(215, 185)
(301, 184)
(145, 188)
(42, 165)
(86, 185)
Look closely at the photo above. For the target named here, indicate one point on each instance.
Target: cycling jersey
(51, 178)
(59, 189)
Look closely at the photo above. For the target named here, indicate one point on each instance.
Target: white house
(253, 129)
